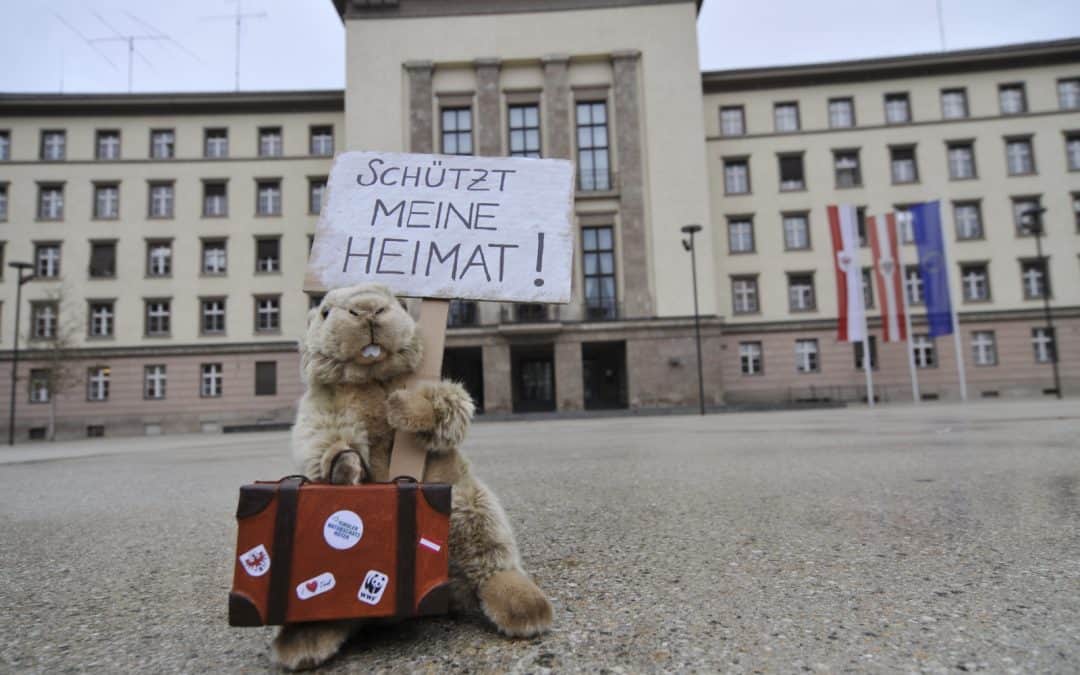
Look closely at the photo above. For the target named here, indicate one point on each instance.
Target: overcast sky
(298, 44)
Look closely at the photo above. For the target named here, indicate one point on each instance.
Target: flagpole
(959, 354)
(915, 394)
(866, 365)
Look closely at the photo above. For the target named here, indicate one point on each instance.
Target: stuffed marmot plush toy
(361, 346)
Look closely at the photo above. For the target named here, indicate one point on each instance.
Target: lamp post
(1033, 221)
(688, 244)
(20, 266)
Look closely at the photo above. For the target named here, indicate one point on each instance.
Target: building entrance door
(466, 365)
(603, 368)
(533, 373)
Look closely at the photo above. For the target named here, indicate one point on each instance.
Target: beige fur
(357, 401)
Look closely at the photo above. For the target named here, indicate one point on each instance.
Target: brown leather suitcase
(312, 552)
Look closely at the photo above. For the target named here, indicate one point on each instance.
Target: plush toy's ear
(312, 313)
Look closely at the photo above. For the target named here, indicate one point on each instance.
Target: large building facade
(169, 233)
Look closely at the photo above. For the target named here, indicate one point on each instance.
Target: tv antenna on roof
(238, 17)
(130, 39)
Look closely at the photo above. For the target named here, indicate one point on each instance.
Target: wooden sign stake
(409, 454)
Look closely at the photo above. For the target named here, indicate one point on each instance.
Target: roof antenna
(941, 23)
(238, 17)
(130, 40)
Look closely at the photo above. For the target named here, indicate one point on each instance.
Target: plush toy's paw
(299, 646)
(347, 469)
(410, 411)
(515, 605)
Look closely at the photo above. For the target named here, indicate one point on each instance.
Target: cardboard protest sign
(438, 226)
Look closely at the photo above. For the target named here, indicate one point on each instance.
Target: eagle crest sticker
(371, 590)
(256, 562)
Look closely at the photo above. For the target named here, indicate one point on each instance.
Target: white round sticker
(343, 529)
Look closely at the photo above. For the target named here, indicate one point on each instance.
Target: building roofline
(387, 9)
(172, 103)
(890, 67)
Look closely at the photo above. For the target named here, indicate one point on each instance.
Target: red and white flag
(889, 282)
(843, 224)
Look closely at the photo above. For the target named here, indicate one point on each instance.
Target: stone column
(488, 126)
(569, 385)
(556, 106)
(637, 300)
(421, 117)
(498, 394)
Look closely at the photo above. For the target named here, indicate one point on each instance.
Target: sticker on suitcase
(315, 586)
(343, 530)
(430, 544)
(256, 561)
(371, 590)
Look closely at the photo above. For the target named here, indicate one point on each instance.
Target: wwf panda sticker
(372, 589)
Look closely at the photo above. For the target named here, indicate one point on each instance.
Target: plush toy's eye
(325, 312)
(353, 313)
(380, 311)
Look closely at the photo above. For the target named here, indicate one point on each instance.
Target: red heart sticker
(312, 585)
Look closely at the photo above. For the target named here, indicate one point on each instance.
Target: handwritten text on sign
(439, 226)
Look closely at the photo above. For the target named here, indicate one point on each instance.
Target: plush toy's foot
(515, 605)
(346, 468)
(299, 646)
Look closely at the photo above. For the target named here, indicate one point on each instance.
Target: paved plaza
(936, 538)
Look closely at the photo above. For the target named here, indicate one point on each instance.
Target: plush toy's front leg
(299, 646)
(439, 412)
(317, 442)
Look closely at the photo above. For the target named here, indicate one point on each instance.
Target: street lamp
(1032, 220)
(688, 244)
(20, 266)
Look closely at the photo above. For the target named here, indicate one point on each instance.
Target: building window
(268, 254)
(107, 144)
(1012, 99)
(841, 113)
(462, 313)
(736, 176)
(157, 318)
(954, 104)
(968, 220)
(524, 130)
(102, 260)
(750, 359)
(904, 227)
(1019, 156)
(216, 143)
(101, 319)
(868, 287)
(211, 383)
(215, 199)
(158, 258)
(154, 382)
(873, 353)
(322, 141)
(740, 235)
(786, 116)
(1033, 278)
(214, 257)
(598, 261)
(792, 176)
(846, 165)
(162, 144)
(732, 121)
(40, 385)
(1072, 152)
(213, 316)
(860, 226)
(1076, 209)
(806, 356)
(903, 166)
(961, 160)
(107, 201)
(266, 378)
(457, 131)
(801, 292)
(975, 280)
(47, 261)
(984, 348)
(1022, 206)
(923, 349)
(796, 231)
(592, 142)
(316, 193)
(53, 145)
(913, 285)
(161, 200)
(270, 144)
(3, 202)
(897, 108)
(1044, 342)
(97, 384)
(50, 202)
(744, 295)
(268, 198)
(5, 145)
(1069, 93)
(267, 314)
(43, 318)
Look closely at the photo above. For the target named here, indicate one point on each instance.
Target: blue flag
(933, 267)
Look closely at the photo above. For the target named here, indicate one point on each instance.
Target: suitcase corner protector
(436, 601)
(242, 611)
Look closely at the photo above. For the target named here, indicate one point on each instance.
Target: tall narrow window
(961, 156)
(47, 260)
(904, 224)
(107, 144)
(806, 356)
(268, 254)
(1069, 93)
(872, 340)
(1024, 209)
(162, 144)
(975, 282)
(101, 319)
(216, 143)
(457, 131)
(744, 295)
(801, 292)
(215, 199)
(102, 259)
(270, 142)
(154, 380)
(903, 166)
(1012, 98)
(1072, 151)
(267, 314)
(40, 385)
(792, 176)
(592, 144)
(954, 104)
(43, 318)
(732, 121)
(846, 165)
(984, 348)
(1033, 278)
(740, 235)
(158, 258)
(266, 378)
(1043, 340)
(598, 261)
(107, 201)
(210, 385)
(913, 285)
(968, 220)
(750, 361)
(97, 384)
(925, 353)
(462, 313)
(897, 108)
(5, 145)
(3, 202)
(841, 113)
(868, 287)
(161, 200)
(213, 316)
(736, 176)
(158, 318)
(786, 116)
(53, 145)
(322, 141)
(316, 194)
(796, 231)
(1020, 158)
(524, 130)
(51, 201)
(268, 198)
(214, 257)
